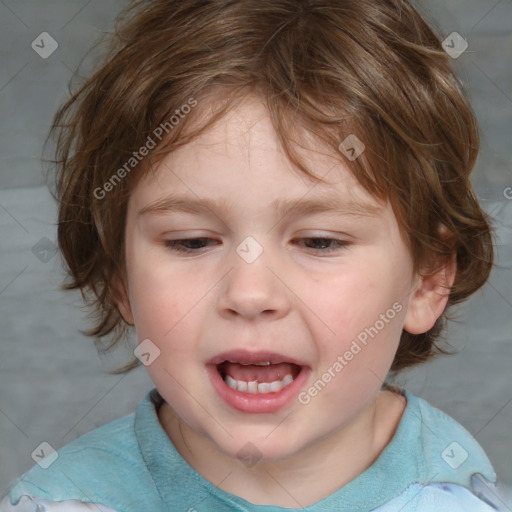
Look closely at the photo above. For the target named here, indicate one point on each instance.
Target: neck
(308, 476)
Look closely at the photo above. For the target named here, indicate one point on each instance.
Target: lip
(246, 356)
(256, 403)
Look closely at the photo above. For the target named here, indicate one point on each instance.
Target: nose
(253, 290)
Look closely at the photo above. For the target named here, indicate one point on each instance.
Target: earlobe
(430, 298)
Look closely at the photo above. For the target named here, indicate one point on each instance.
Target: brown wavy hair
(330, 68)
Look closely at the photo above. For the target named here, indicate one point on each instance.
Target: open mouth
(257, 382)
(259, 377)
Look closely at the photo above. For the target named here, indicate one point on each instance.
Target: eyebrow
(294, 207)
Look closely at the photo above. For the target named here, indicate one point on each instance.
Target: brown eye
(324, 245)
(187, 245)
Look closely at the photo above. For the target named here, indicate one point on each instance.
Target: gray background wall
(53, 385)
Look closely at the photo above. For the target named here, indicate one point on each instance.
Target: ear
(121, 298)
(430, 297)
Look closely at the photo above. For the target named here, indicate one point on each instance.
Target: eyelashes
(338, 244)
(323, 245)
(178, 245)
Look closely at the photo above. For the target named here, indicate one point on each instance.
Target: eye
(323, 244)
(188, 245)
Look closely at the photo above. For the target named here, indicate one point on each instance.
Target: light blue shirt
(432, 464)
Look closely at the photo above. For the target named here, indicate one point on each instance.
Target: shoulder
(447, 471)
(446, 451)
(440, 497)
(105, 462)
(30, 504)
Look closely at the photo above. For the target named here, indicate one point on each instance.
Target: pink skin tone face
(321, 279)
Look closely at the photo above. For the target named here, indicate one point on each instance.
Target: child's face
(303, 299)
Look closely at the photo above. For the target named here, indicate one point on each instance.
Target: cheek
(354, 301)
(362, 315)
(157, 295)
(157, 301)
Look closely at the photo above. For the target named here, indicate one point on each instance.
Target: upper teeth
(256, 387)
(262, 363)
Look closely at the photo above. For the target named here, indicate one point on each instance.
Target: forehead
(239, 159)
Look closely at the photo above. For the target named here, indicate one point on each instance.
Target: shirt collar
(420, 451)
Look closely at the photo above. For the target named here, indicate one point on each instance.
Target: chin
(251, 450)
